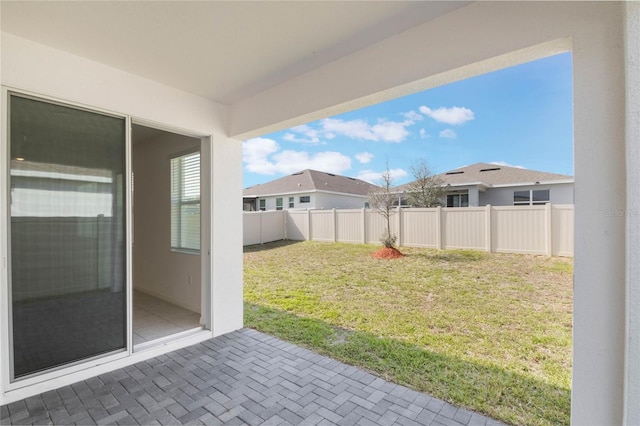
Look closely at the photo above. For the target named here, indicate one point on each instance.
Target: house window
(305, 199)
(457, 200)
(263, 205)
(535, 197)
(290, 202)
(185, 202)
(278, 203)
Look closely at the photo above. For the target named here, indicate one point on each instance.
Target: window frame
(292, 202)
(279, 203)
(458, 196)
(182, 202)
(305, 199)
(532, 201)
(262, 205)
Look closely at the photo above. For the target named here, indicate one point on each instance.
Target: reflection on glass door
(67, 234)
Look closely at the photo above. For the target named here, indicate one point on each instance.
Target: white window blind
(185, 202)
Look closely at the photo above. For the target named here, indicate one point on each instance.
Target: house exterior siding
(317, 200)
(558, 194)
(339, 201)
(270, 202)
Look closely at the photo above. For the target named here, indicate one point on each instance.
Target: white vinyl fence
(545, 230)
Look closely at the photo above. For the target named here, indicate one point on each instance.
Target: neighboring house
(307, 189)
(481, 184)
(218, 73)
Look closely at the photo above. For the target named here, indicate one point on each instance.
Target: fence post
(399, 226)
(364, 225)
(489, 242)
(439, 228)
(308, 225)
(285, 214)
(548, 236)
(335, 226)
(261, 233)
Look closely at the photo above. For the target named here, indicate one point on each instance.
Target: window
(290, 202)
(278, 203)
(263, 205)
(185, 202)
(305, 199)
(533, 197)
(457, 200)
(540, 197)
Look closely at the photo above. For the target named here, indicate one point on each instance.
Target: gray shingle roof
(308, 181)
(495, 175)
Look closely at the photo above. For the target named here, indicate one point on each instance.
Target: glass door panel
(67, 231)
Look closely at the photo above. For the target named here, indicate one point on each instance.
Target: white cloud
(392, 131)
(356, 129)
(364, 157)
(293, 138)
(261, 156)
(504, 163)
(309, 135)
(306, 129)
(375, 177)
(448, 134)
(413, 116)
(384, 130)
(454, 115)
(255, 153)
(423, 134)
(328, 161)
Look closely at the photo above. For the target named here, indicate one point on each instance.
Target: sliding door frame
(86, 368)
(6, 333)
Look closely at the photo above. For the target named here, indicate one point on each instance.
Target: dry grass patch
(491, 332)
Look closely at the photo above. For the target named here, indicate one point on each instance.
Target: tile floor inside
(154, 318)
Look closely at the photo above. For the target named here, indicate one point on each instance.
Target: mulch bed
(387, 253)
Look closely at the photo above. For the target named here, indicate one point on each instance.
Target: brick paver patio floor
(245, 377)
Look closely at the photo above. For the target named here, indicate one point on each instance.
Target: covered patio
(244, 377)
(224, 72)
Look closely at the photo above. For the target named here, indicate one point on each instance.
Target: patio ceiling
(224, 51)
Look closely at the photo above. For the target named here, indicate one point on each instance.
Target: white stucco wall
(558, 194)
(42, 70)
(226, 235)
(156, 269)
(632, 213)
(513, 32)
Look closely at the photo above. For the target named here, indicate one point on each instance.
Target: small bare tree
(426, 190)
(382, 200)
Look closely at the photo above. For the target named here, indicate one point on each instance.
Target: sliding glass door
(67, 234)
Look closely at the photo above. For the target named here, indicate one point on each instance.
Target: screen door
(67, 234)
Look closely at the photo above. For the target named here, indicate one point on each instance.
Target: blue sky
(519, 116)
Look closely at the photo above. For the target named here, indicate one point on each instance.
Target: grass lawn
(489, 332)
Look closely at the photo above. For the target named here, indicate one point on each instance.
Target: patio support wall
(3, 225)
(480, 38)
(632, 397)
(598, 339)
